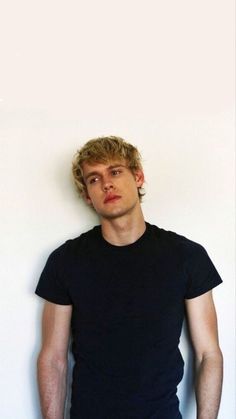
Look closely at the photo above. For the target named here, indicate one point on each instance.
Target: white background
(158, 73)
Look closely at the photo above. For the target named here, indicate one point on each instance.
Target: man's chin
(115, 213)
(112, 216)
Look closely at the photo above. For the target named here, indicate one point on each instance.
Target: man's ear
(139, 178)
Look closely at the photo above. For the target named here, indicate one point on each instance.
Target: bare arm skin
(209, 361)
(52, 360)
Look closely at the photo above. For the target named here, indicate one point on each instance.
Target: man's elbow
(212, 356)
(48, 359)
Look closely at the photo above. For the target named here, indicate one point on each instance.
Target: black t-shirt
(128, 310)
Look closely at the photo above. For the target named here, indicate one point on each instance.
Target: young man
(122, 288)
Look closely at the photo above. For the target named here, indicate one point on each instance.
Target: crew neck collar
(121, 248)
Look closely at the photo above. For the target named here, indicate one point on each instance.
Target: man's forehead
(103, 165)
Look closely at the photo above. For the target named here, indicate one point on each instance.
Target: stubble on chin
(115, 213)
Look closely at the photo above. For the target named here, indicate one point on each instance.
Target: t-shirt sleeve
(51, 285)
(201, 273)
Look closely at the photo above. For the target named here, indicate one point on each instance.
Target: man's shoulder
(75, 244)
(171, 238)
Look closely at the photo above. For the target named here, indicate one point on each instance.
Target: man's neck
(122, 231)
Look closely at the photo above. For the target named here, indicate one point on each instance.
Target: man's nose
(107, 184)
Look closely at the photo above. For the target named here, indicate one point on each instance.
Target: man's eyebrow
(114, 166)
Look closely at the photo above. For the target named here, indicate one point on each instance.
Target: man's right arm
(52, 360)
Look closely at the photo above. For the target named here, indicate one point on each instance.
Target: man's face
(112, 189)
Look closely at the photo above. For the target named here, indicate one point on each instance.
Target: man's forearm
(52, 387)
(209, 385)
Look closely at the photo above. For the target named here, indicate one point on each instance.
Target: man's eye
(93, 180)
(116, 172)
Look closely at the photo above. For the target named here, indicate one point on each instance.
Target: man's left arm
(202, 321)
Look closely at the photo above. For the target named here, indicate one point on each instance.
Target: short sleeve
(51, 285)
(201, 274)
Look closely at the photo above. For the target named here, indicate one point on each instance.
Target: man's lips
(111, 198)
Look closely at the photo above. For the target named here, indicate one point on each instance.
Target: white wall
(160, 74)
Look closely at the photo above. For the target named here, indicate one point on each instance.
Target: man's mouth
(111, 198)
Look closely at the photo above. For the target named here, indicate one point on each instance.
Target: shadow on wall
(33, 364)
(186, 387)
